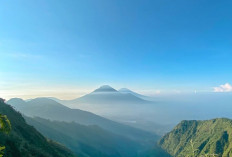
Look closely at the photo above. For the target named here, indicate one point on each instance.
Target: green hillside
(208, 137)
(24, 141)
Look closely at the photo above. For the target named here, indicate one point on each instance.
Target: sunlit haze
(151, 47)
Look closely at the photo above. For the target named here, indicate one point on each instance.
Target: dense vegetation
(200, 138)
(24, 141)
(5, 127)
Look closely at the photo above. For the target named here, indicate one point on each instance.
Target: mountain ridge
(86, 140)
(25, 141)
(128, 91)
(207, 136)
(60, 112)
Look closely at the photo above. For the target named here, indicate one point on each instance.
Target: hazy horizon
(73, 93)
(63, 64)
(66, 49)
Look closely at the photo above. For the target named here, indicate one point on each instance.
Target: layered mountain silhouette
(25, 141)
(83, 131)
(111, 103)
(87, 141)
(123, 105)
(50, 109)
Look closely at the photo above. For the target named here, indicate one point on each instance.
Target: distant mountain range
(75, 129)
(111, 139)
(50, 109)
(106, 95)
(25, 141)
(121, 105)
(124, 106)
(203, 137)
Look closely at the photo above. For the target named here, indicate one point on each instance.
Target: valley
(115, 78)
(88, 134)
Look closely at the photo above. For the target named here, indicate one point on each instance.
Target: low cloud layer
(223, 88)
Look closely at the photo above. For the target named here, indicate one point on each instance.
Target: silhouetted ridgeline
(86, 140)
(75, 129)
(50, 109)
(24, 141)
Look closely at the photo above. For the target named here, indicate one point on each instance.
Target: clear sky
(67, 48)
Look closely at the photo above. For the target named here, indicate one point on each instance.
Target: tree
(5, 127)
(194, 152)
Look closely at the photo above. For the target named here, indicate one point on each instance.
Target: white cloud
(223, 88)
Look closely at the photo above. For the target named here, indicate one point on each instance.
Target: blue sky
(77, 45)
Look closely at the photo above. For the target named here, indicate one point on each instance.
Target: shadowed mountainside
(86, 140)
(24, 141)
(121, 140)
(50, 109)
